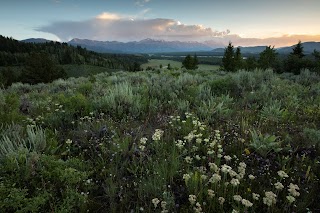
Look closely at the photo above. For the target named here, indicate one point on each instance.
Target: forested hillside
(14, 53)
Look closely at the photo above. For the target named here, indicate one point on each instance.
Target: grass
(162, 141)
(74, 70)
(155, 63)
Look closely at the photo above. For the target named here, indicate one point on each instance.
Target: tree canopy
(190, 63)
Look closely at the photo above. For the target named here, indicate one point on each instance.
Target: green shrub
(312, 137)
(15, 138)
(264, 144)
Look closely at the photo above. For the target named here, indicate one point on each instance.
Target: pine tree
(267, 58)
(238, 60)
(298, 50)
(251, 63)
(228, 62)
(190, 63)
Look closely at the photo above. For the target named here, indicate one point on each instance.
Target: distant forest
(22, 54)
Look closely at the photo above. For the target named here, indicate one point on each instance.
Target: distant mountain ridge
(35, 40)
(143, 46)
(162, 46)
(308, 48)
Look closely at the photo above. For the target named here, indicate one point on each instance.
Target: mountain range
(161, 46)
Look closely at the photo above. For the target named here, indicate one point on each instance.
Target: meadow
(155, 64)
(162, 141)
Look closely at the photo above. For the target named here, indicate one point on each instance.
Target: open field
(155, 63)
(74, 70)
(158, 141)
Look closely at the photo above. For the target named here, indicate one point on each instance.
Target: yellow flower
(247, 151)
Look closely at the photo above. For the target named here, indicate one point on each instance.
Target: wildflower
(242, 165)
(227, 158)
(163, 205)
(212, 144)
(237, 198)
(198, 157)
(234, 211)
(143, 140)
(246, 203)
(192, 199)
(225, 168)
(232, 173)
(188, 159)
(194, 148)
(186, 177)
(180, 144)
(291, 199)
(270, 198)
(293, 190)
(157, 135)
(251, 177)
(221, 200)
(198, 208)
(204, 177)
(206, 140)
(210, 193)
(234, 182)
(215, 178)
(155, 202)
(69, 141)
(142, 147)
(282, 174)
(210, 152)
(189, 137)
(255, 196)
(213, 167)
(278, 186)
(198, 140)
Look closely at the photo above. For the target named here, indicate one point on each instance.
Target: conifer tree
(267, 58)
(298, 50)
(228, 62)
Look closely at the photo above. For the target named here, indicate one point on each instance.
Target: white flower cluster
(278, 186)
(237, 198)
(180, 144)
(255, 196)
(155, 202)
(186, 177)
(211, 193)
(270, 198)
(197, 208)
(142, 144)
(157, 135)
(282, 174)
(163, 204)
(215, 178)
(192, 199)
(293, 190)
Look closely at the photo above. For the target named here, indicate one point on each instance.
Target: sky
(243, 22)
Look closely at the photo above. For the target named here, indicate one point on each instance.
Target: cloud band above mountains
(114, 27)
(108, 26)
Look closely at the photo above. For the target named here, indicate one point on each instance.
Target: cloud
(116, 27)
(141, 3)
(280, 41)
(109, 26)
(109, 16)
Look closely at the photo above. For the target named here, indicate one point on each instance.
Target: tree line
(47, 57)
(269, 59)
